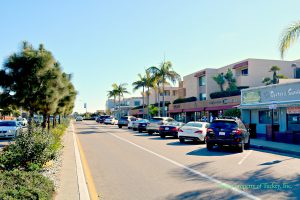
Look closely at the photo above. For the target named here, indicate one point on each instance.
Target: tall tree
(163, 73)
(231, 80)
(220, 80)
(113, 93)
(141, 83)
(150, 83)
(121, 90)
(289, 36)
(275, 77)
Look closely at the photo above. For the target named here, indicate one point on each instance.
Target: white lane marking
(224, 185)
(82, 187)
(244, 158)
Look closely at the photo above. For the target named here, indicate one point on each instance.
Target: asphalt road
(129, 165)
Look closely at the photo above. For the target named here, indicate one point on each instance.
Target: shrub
(184, 100)
(29, 148)
(216, 95)
(25, 185)
(232, 113)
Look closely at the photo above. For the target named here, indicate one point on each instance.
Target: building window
(202, 96)
(174, 93)
(244, 72)
(265, 117)
(137, 103)
(167, 93)
(202, 81)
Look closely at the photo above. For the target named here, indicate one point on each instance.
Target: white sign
(273, 106)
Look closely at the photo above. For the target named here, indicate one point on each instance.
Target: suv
(228, 132)
(123, 121)
(156, 122)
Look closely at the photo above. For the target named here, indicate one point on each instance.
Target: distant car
(195, 131)
(142, 125)
(23, 121)
(9, 129)
(102, 118)
(228, 132)
(79, 118)
(110, 120)
(123, 121)
(133, 124)
(156, 122)
(170, 129)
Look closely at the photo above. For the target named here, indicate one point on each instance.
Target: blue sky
(101, 42)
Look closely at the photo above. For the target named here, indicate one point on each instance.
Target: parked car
(142, 125)
(133, 124)
(195, 131)
(9, 129)
(23, 121)
(156, 122)
(170, 129)
(123, 121)
(228, 132)
(111, 120)
(102, 118)
(79, 118)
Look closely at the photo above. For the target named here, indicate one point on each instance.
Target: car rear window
(224, 125)
(124, 118)
(8, 124)
(153, 120)
(198, 125)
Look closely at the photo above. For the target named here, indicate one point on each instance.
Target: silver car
(156, 122)
(9, 129)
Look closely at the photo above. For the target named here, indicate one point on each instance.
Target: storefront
(274, 109)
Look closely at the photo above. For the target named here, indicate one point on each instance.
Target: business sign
(273, 93)
(293, 110)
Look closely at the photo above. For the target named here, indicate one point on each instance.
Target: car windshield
(155, 120)
(8, 124)
(174, 123)
(124, 118)
(193, 124)
(223, 125)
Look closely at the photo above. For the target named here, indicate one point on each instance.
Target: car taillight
(209, 130)
(161, 128)
(237, 131)
(200, 131)
(174, 129)
(179, 130)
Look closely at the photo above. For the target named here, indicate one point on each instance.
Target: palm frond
(288, 37)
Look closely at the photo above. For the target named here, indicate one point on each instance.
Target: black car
(230, 132)
(142, 125)
(170, 129)
(102, 118)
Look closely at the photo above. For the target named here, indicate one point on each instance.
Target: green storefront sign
(251, 97)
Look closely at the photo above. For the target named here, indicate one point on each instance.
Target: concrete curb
(82, 187)
(296, 153)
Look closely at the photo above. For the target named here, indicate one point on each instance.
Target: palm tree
(164, 73)
(150, 83)
(231, 80)
(275, 78)
(288, 37)
(113, 93)
(121, 90)
(220, 80)
(141, 83)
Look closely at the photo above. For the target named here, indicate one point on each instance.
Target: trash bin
(270, 130)
(252, 128)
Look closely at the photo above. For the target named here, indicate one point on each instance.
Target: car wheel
(162, 136)
(241, 147)
(119, 126)
(247, 146)
(140, 131)
(181, 140)
(150, 133)
(209, 146)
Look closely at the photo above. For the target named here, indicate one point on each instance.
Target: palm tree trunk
(59, 118)
(158, 100)
(44, 121)
(148, 102)
(115, 104)
(164, 103)
(143, 102)
(119, 110)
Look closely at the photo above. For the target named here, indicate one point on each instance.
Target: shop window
(202, 81)
(202, 96)
(137, 103)
(265, 117)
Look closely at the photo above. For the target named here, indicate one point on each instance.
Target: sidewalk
(275, 146)
(68, 188)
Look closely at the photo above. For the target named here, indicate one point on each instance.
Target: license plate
(143, 125)
(167, 128)
(221, 133)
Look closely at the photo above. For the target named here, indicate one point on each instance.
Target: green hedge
(184, 100)
(25, 185)
(216, 95)
(234, 112)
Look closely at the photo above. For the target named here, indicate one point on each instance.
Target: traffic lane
(122, 171)
(264, 173)
(259, 169)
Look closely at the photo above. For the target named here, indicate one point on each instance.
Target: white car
(79, 118)
(23, 121)
(132, 124)
(195, 131)
(9, 129)
(111, 120)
